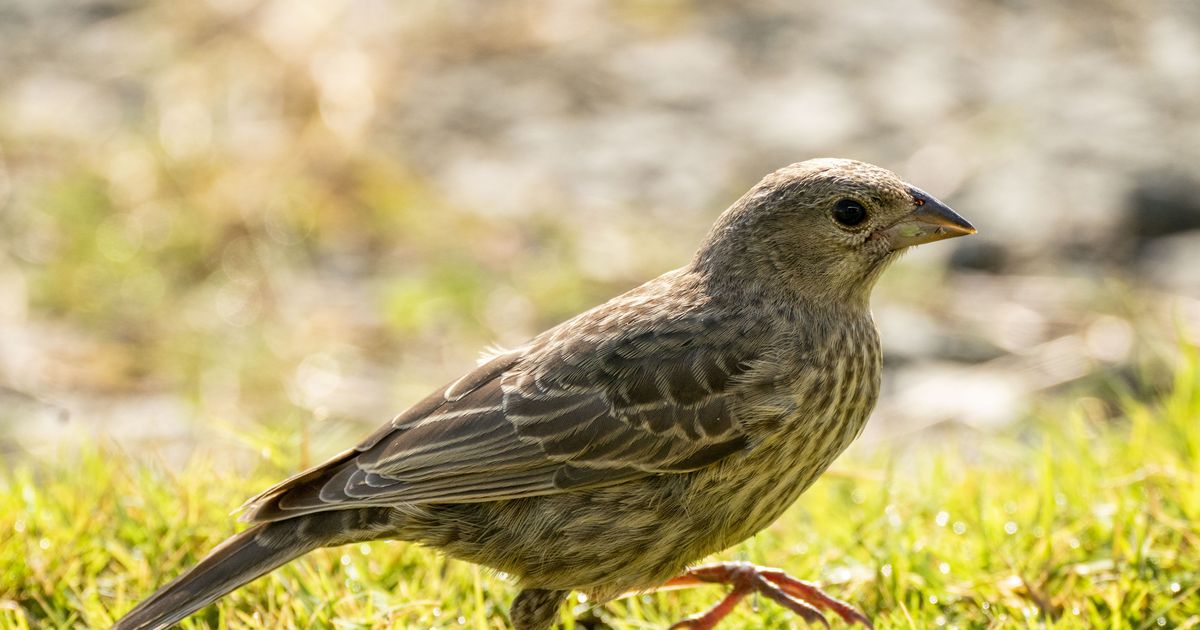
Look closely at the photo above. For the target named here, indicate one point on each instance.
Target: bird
(611, 453)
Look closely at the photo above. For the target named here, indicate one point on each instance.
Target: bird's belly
(602, 541)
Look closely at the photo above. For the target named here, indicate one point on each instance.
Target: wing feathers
(568, 411)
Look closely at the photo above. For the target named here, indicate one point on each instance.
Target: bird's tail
(233, 563)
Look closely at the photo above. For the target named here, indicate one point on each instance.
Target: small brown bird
(613, 450)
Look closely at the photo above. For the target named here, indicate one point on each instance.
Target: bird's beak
(931, 221)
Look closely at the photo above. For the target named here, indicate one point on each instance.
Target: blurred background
(234, 221)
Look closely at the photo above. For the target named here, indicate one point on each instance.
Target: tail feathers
(233, 563)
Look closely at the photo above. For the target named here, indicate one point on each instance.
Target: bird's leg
(536, 608)
(803, 598)
(712, 616)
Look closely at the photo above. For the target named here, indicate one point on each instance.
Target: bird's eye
(849, 212)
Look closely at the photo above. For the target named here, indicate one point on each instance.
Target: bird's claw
(803, 598)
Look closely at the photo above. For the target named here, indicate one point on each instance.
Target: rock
(980, 255)
(1161, 203)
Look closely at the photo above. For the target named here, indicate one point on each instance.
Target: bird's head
(825, 228)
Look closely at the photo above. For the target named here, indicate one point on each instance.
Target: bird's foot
(803, 598)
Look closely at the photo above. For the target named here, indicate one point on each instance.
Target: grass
(1081, 518)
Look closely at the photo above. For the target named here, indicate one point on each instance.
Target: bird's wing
(589, 406)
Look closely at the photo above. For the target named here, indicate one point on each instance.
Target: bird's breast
(803, 424)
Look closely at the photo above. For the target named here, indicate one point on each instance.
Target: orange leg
(803, 598)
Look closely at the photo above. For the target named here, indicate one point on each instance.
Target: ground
(1080, 517)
